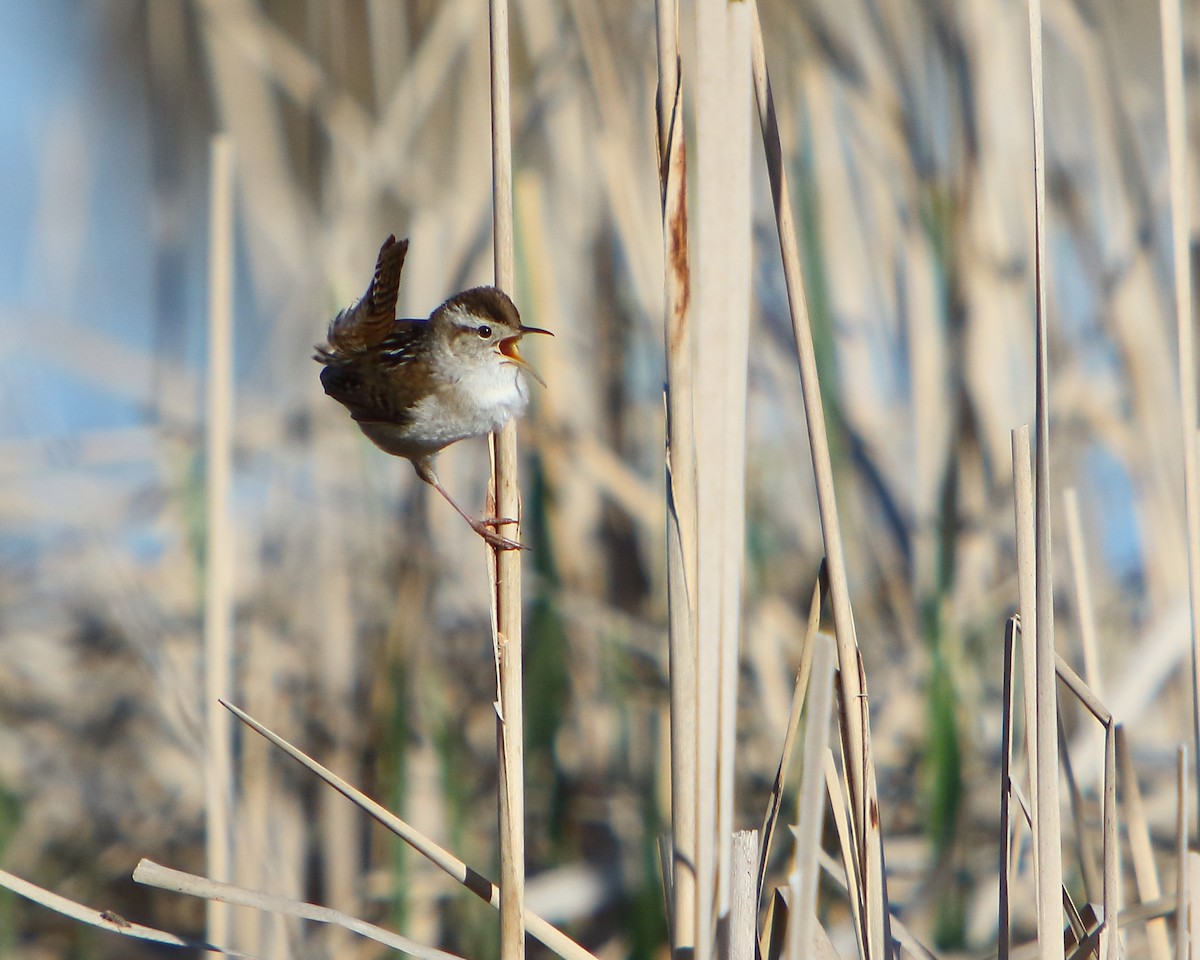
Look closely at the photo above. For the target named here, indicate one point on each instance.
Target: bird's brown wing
(368, 322)
(382, 384)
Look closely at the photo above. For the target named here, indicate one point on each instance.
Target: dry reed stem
(1145, 871)
(743, 901)
(902, 937)
(839, 590)
(810, 813)
(681, 479)
(1049, 862)
(1109, 931)
(1177, 162)
(1182, 898)
(736, 243)
(218, 593)
(474, 881)
(799, 692)
(164, 878)
(506, 564)
(839, 803)
(1161, 909)
(104, 919)
(1004, 931)
(713, 300)
(1084, 608)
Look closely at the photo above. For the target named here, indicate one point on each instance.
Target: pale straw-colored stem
(1177, 162)
(474, 881)
(818, 438)
(1182, 944)
(506, 580)
(810, 815)
(218, 568)
(1004, 935)
(1141, 848)
(164, 878)
(1022, 454)
(681, 480)
(104, 919)
(1049, 831)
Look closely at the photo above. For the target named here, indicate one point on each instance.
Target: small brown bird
(416, 386)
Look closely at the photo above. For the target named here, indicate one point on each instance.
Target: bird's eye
(484, 331)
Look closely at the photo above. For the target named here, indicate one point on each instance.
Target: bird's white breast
(478, 402)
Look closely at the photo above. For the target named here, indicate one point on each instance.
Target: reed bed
(809, 593)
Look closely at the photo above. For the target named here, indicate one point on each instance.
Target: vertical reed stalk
(681, 480)
(1110, 942)
(506, 564)
(1177, 160)
(818, 438)
(218, 596)
(1182, 927)
(1048, 829)
(720, 351)
(1022, 454)
(1004, 925)
(737, 242)
(743, 899)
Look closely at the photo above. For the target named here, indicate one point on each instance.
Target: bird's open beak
(508, 347)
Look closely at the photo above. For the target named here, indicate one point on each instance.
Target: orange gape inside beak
(508, 347)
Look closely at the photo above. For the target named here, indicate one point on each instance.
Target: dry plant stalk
(474, 881)
(814, 413)
(1022, 466)
(681, 480)
(1109, 931)
(164, 878)
(104, 919)
(1182, 896)
(743, 899)
(218, 594)
(1049, 834)
(810, 814)
(864, 804)
(1145, 871)
(1004, 932)
(506, 564)
(1177, 162)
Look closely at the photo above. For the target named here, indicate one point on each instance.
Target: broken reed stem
(218, 583)
(1177, 162)
(506, 564)
(1049, 842)
(681, 480)
(164, 878)
(474, 881)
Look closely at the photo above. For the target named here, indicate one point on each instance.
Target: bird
(416, 386)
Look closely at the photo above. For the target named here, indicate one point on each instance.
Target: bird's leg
(426, 472)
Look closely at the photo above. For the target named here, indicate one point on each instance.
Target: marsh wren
(417, 386)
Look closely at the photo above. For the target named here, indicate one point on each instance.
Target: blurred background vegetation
(362, 617)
